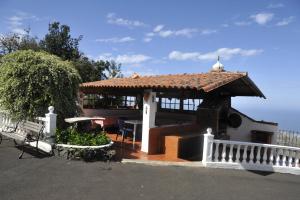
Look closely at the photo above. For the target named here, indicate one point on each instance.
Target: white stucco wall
(243, 133)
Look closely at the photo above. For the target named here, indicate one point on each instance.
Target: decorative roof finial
(218, 67)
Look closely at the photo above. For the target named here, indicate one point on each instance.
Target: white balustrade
(245, 154)
(262, 154)
(271, 159)
(277, 157)
(253, 156)
(258, 155)
(230, 153)
(224, 152)
(237, 155)
(217, 152)
(264, 162)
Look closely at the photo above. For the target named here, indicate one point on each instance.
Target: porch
(174, 110)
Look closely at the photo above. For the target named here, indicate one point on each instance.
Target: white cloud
(262, 18)
(19, 31)
(285, 21)
(132, 59)
(277, 5)
(125, 58)
(165, 33)
(150, 34)
(158, 28)
(113, 19)
(142, 71)
(225, 25)
(15, 23)
(116, 40)
(187, 32)
(208, 31)
(225, 53)
(147, 39)
(242, 23)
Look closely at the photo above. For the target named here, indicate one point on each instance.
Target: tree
(58, 41)
(113, 70)
(90, 70)
(31, 81)
(9, 43)
(86, 69)
(28, 42)
(12, 42)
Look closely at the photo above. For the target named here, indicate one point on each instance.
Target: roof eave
(253, 86)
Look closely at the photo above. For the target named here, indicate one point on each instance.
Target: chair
(123, 129)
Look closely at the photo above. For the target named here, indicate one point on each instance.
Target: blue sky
(167, 37)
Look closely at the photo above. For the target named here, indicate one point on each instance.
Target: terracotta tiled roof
(205, 81)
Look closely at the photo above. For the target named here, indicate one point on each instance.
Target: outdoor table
(135, 124)
(80, 119)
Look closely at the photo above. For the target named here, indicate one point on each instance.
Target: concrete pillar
(50, 125)
(207, 147)
(149, 112)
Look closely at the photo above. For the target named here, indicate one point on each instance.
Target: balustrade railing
(49, 121)
(246, 155)
(41, 120)
(255, 153)
(288, 138)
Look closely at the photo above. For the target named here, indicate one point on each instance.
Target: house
(177, 109)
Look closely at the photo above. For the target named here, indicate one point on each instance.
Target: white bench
(26, 133)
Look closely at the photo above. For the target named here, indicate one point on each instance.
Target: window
(191, 104)
(89, 101)
(99, 101)
(128, 101)
(170, 103)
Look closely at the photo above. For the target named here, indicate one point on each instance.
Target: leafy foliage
(113, 70)
(13, 42)
(72, 136)
(9, 43)
(90, 70)
(58, 41)
(31, 81)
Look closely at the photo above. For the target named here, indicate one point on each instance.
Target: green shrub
(72, 136)
(31, 81)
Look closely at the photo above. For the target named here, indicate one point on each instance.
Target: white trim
(44, 146)
(256, 144)
(85, 147)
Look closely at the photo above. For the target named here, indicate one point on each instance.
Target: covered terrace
(174, 110)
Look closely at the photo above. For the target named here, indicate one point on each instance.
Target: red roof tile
(205, 81)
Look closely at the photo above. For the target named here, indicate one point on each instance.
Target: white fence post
(207, 147)
(50, 124)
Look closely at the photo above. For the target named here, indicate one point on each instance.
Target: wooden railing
(250, 156)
